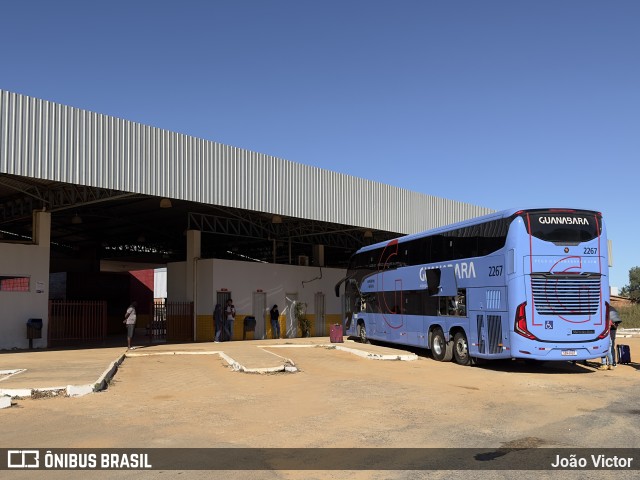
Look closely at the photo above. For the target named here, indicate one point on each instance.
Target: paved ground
(335, 399)
(79, 371)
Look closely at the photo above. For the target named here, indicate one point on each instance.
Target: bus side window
(453, 305)
(442, 306)
(368, 302)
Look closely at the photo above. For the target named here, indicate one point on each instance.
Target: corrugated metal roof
(49, 141)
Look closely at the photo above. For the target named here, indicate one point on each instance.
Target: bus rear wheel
(362, 333)
(440, 349)
(461, 349)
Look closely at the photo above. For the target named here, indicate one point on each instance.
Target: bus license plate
(569, 353)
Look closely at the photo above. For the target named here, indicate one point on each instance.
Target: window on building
(14, 284)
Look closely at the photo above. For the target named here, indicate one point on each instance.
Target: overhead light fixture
(165, 203)
(276, 219)
(76, 219)
(368, 234)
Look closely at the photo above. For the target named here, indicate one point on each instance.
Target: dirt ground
(338, 400)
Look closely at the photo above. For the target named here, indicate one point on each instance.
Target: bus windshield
(565, 227)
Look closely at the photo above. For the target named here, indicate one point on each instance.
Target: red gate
(179, 321)
(76, 322)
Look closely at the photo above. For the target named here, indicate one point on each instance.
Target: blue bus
(530, 284)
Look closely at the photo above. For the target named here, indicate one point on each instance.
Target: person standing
(609, 361)
(217, 322)
(230, 314)
(614, 316)
(130, 322)
(275, 322)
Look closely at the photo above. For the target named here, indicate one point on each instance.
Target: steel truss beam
(53, 199)
(306, 232)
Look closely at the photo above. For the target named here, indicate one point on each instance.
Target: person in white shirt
(130, 322)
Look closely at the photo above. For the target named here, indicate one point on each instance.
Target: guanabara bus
(529, 284)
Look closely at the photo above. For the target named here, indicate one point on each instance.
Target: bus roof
(473, 221)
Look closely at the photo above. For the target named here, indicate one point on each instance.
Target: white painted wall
(176, 282)
(242, 279)
(160, 283)
(28, 260)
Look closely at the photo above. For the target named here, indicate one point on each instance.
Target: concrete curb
(16, 392)
(155, 354)
(287, 366)
(408, 357)
(10, 373)
(7, 394)
(103, 380)
(33, 392)
(70, 390)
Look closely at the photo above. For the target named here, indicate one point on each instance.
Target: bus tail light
(521, 322)
(607, 322)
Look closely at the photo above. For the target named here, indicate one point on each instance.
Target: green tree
(633, 289)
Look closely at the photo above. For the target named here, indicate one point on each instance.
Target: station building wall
(22, 299)
(244, 279)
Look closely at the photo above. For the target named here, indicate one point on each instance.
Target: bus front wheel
(461, 349)
(440, 348)
(362, 333)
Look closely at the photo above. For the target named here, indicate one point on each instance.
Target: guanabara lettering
(563, 220)
(465, 270)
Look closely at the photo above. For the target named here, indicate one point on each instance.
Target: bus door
(441, 285)
(352, 302)
(390, 321)
(388, 283)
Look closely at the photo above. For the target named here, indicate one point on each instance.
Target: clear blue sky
(495, 103)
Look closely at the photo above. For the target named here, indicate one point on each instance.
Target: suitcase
(624, 353)
(335, 333)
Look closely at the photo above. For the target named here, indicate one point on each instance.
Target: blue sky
(499, 103)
